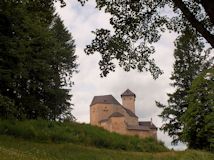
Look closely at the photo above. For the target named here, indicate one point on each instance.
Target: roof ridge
(132, 114)
(128, 92)
(104, 95)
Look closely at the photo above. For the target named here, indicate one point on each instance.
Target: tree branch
(194, 22)
(209, 8)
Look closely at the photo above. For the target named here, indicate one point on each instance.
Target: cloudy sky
(80, 21)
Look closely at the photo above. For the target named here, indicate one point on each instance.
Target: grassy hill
(19, 149)
(84, 134)
(42, 140)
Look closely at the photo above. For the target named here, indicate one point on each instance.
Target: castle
(107, 112)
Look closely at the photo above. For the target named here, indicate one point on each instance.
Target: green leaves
(198, 119)
(139, 24)
(7, 108)
(136, 26)
(189, 62)
(37, 53)
(113, 47)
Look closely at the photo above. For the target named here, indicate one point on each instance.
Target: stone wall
(117, 124)
(100, 112)
(129, 102)
(131, 120)
(142, 134)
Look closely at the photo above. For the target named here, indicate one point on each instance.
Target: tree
(34, 60)
(63, 65)
(138, 24)
(189, 62)
(198, 130)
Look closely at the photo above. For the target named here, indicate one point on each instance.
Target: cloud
(80, 21)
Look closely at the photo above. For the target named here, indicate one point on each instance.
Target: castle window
(105, 109)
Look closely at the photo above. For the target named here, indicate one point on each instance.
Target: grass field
(18, 149)
(43, 140)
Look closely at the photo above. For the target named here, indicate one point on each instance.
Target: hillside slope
(84, 134)
(19, 149)
(44, 140)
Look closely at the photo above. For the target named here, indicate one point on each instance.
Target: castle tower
(128, 100)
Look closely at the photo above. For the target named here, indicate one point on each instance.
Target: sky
(80, 21)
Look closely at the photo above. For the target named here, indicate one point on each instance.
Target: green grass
(84, 134)
(18, 149)
(45, 140)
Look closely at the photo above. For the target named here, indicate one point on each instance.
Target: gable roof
(134, 127)
(128, 93)
(148, 124)
(116, 114)
(130, 113)
(105, 99)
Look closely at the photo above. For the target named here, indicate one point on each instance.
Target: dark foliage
(139, 24)
(189, 62)
(36, 52)
(198, 120)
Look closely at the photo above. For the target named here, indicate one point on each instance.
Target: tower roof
(128, 93)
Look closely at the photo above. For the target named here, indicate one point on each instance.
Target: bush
(7, 108)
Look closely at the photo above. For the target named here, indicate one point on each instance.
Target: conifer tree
(189, 62)
(34, 60)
